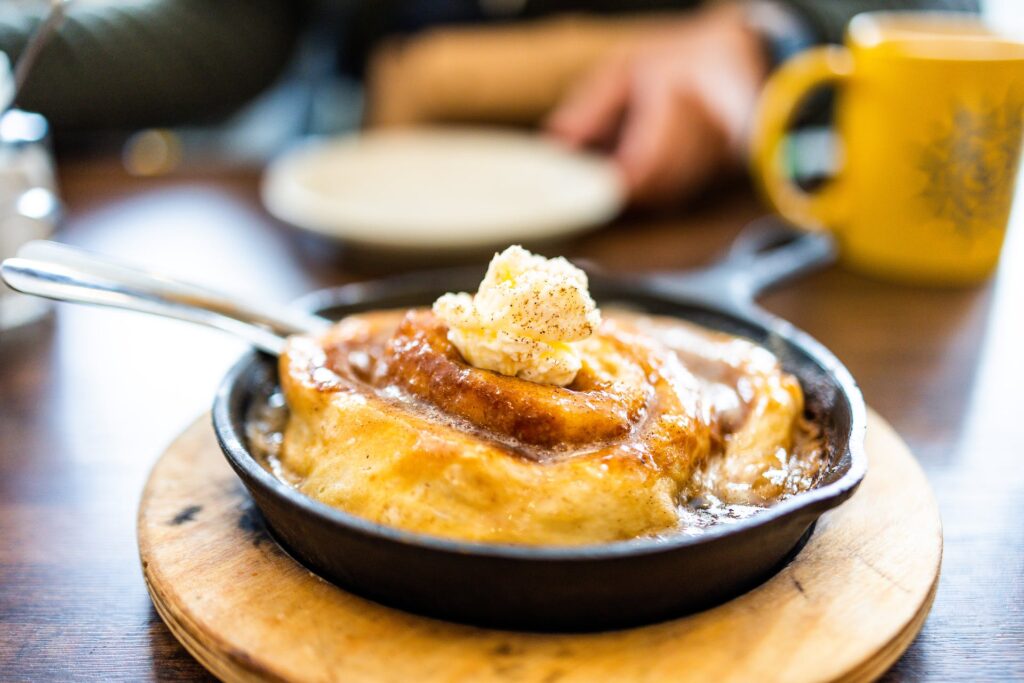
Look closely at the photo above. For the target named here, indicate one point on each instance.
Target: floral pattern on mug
(970, 164)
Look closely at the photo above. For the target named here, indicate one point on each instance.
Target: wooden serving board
(844, 609)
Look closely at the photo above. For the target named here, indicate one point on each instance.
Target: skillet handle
(766, 253)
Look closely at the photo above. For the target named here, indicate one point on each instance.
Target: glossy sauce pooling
(702, 407)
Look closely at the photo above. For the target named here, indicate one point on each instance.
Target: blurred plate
(441, 188)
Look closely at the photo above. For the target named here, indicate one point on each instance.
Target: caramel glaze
(664, 420)
(595, 408)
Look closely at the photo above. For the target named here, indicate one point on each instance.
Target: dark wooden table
(89, 398)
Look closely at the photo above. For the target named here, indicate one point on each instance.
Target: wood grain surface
(90, 398)
(843, 610)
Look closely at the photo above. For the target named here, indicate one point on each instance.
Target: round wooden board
(844, 609)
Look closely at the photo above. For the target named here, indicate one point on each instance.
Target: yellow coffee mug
(929, 113)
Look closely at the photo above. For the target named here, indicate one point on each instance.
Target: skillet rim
(810, 503)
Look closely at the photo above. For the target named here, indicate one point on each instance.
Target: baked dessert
(521, 414)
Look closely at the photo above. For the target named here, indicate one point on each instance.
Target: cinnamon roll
(665, 429)
(580, 428)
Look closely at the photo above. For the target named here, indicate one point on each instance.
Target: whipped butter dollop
(525, 318)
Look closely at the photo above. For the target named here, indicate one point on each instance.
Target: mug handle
(786, 88)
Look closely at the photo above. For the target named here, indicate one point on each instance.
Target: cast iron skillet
(574, 588)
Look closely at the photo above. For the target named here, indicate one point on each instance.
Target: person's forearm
(827, 19)
(115, 65)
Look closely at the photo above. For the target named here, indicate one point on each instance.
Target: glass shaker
(29, 208)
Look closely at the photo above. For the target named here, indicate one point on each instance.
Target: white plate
(441, 188)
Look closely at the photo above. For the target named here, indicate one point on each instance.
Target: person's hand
(673, 107)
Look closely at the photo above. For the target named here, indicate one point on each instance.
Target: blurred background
(179, 83)
(268, 148)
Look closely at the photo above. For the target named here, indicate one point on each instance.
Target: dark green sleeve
(828, 18)
(157, 62)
